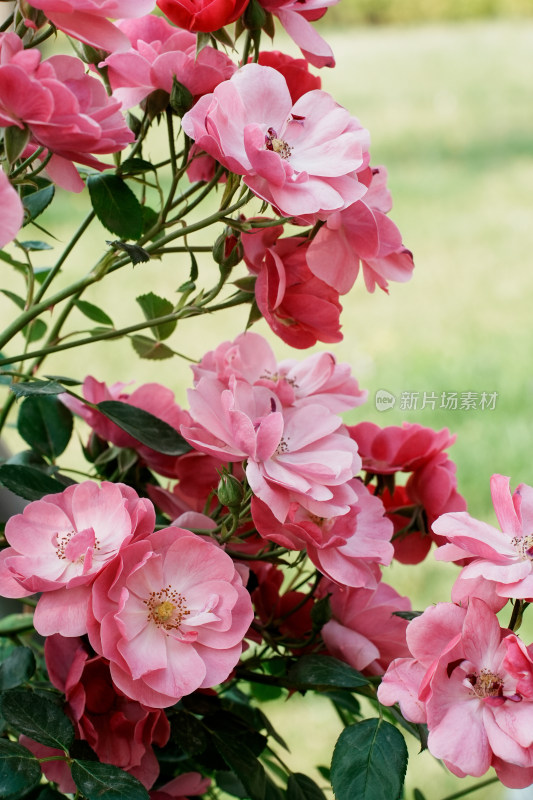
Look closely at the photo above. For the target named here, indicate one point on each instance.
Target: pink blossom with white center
(472, 683)
(11, 210)
(89, 20)
(293, 455)
(363, 235)
(301, 158)
(315, 379)
(59, 544)
(364, 631)
(296, 17)
(348, 549)
(159, 52)
(170, 615)
(502, 560)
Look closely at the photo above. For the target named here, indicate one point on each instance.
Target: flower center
(166, 608)
(76, 549)
(524, 546)
(486, 684)
(282, 447)
(279, 146)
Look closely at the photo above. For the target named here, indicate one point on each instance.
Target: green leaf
(244, 763)
(19, 301)
(17, 668)
(145, 347)
(64, 380)
(15, 623)
(35, 330)
(27, 482)
(369, 762)
(19, 770)
(409, 615)
(36, 202)
(301, 787)
(97, 781)
(324, 672)
(115, 205)
(45, 424)
(135, 165)
(144, 427)
(37, 387)
(50, 794)
(417, 795)
(154, 306)
(37, 716)
(19, 265)
(94, 313)
(35, 245)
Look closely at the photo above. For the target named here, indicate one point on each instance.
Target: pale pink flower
(472, 683)
(296, 17)
(170, 615)
(66, 111)
(11, 210)
(315, 379)
(364, 630)
(363, 235)
(293, 455)
(502, 559)
(151, 397)
(89, 20)
(60, 543)
(119, 730)
(158, 53)
(348, 549)
(301, 158)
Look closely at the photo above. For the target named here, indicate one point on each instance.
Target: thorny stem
(26, 162)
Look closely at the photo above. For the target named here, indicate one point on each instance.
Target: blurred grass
(449, 109)
(383, 12)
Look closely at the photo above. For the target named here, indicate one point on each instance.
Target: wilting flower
(472, 683)
(170, 615)
(59, 544)
(302, 158)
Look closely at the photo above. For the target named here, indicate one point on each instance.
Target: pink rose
(59, 544)
(87, 20)
(151, 397)
(11, 210)
(295, 454)
(67, 111)
(296, 16)
(363, 630)
(361, 234)
(302, 158)
(348, 549)
(300, 308)
(158, 53)
(202, 15)
(170, 615)
(186, 785)
(315, 379)
(119, 730)
(471, 682)
(503, 559)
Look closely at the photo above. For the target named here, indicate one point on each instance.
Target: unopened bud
(230, 491)
(254, 16)
(180, 98)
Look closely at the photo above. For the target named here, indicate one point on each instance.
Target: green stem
(66, 252)
(26, 162)
(7, 23)
(186, 311)
(471, 789)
